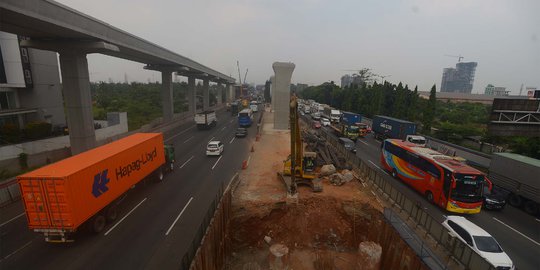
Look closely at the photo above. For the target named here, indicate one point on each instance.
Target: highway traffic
(517, 232)
(157, 221)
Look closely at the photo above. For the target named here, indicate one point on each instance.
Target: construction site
(336, 224)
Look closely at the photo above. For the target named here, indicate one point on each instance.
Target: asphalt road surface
(157, 221)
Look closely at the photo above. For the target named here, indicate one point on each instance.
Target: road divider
(184, 164)
(376, 165)
(120, 221)
(179, 215)
(516, 231)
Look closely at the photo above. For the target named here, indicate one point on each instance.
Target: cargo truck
(385, 127)
(83, 191)
(206, 119)
(520, 176)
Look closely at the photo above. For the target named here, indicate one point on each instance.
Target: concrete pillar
(227, 92)
(206, 94)
(191, 95)
(78, 101)
(167, 95)
(282, 96)
(272, 91)
(219, 94)
(231, 92)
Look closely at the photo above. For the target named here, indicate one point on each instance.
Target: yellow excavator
(300, 162)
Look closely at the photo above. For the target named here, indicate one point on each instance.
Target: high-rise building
(346, 80)
(459, 79)
(495, 90)
(29, 85)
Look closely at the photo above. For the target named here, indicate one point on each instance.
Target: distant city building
(459, 79)
(29, 85)
(495, 90)
(349, 80)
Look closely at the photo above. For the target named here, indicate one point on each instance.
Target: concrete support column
(78, 101)
(230, 95)
(167, 95)
(191, 95)
(282, 93)
(206, 94)
(219, 94)
(273, 91)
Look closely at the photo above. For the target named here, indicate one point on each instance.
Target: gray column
(78, 101)
(282, 96)
(219, 94)
(273, 91)
(167, 95)
(191, 95)
(206, 94)
(228, 93)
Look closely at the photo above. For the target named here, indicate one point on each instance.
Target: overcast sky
(405, 39)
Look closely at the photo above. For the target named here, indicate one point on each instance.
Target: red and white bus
(444, 181)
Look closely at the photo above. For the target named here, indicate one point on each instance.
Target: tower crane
(459, 57)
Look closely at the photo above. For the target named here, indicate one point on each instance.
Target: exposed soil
(321, 230)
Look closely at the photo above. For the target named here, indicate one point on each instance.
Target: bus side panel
(406, 172)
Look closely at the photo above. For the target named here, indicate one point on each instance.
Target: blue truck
(385, 127)
(350, 118)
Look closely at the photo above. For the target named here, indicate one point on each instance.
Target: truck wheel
(112, 213)
(429, 196)
(531, 207)
(515, 200)
(98, 223)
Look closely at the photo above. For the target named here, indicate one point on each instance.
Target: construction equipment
(299, 167)
(459, 57)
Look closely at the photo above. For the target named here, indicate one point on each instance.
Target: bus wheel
(98, 223)
(429, 196)
(531, 207)
(394, 173)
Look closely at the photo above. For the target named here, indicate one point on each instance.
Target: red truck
(85, 189)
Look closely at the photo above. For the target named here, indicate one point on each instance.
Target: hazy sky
(405, 39)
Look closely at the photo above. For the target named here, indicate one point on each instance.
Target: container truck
(206, 119)
(354, 119)
(83, 191)
(520, 176)
(385, 127)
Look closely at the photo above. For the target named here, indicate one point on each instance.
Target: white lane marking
(178, 217)
(232, 140)
(18, 216)
(375, 165)
(211, 139)
(184, 164)
(19, 249)
(188, 139)
(232, 120)
(215, 164)
(538, 220)
(223, 128)
(129, 213)
(184, 131)
(538, 244)
(363, 142)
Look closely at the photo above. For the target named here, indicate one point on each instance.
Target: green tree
(429, 111)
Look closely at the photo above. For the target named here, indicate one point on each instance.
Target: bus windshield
(353, 128)
(468, 187)
(243, 114)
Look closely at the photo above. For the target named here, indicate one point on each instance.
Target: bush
(9, 133)
(37, 130)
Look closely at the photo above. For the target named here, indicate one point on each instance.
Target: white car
(214, 148)
(325, 122)
(479, 240)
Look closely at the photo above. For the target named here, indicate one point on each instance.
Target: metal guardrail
(462, 253)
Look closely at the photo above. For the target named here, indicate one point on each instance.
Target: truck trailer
(385, 127)
(83, 191)
(520, 176)
(206, 120)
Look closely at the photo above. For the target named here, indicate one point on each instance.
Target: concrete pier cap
(281, 88)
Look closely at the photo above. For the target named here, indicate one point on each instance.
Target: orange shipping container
(58, 198)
